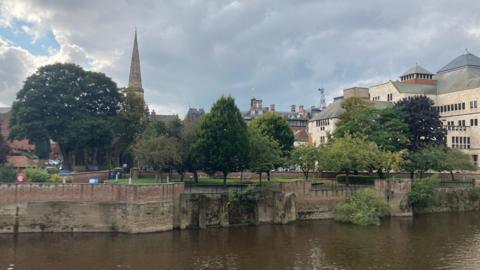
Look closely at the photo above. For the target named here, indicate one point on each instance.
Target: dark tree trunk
(451, 174)
(412, 174)
(66, 159)
(195, 176)
(225, 179)
(268, 175)
(260, 177)
(347, 181)
(305, 174)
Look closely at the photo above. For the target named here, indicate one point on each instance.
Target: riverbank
(165, 207)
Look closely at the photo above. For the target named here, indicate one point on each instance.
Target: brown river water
(437, 241)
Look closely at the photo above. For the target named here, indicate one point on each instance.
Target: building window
(463, 106)
(455, 107)
(389, 97)
(475, 160)
(473, 104)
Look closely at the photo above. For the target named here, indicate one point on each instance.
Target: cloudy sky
(193, 51)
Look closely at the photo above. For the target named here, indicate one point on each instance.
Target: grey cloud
(194, 51)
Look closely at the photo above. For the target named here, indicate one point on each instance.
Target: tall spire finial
(135, 78)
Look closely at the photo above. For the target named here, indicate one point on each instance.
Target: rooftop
(417, 69)
(462, 61)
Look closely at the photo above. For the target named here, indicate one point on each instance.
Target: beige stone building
(455, 90)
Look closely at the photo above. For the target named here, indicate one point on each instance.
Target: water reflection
(447, 241)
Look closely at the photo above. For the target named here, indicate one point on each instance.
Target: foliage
(66, 104)
(7, 174)
(389, 161)
(276, 127)
(43, 148)
(385, 127)
(365, 207)
(55, 178)
(4, 149)
(423, 121)
(350, 154)
(264, 153)
(455, 159)
(474, 194)
(222, 143)
(428, 158)
(356, 179)
(158, 153)
(188, 136)
(37, 175)
(307, 157)
(423, 193)
(131, 122)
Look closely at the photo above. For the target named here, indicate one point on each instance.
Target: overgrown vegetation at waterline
(366, 207)
(426, 196)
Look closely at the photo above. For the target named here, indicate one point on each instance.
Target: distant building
(194, 114)
(455, 91)
(297, 119)
(322, 125)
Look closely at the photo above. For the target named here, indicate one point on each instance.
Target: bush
(55, 178)
(7, 174)
(423, 193)
(474, 194)
(365, 207)
(37, 175)
(356, 179)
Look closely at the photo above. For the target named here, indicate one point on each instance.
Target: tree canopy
(307, 157)
(276, 127)
(423, 121)
(385, 127)
(264, 153)
(4, 149)
(65, 103)
(222, 144)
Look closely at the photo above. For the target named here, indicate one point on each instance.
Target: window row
(463, 123)
(323, 122)
(473, 104)
(451, 107)
(376, 98)
(323, 139)
(460, 142)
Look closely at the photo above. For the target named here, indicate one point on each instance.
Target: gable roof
(462, 61)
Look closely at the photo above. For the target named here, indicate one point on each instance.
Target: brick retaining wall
(14, 193)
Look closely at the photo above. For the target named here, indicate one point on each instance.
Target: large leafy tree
(427, 158)
(275, 126)
(265, 153)
(131, 122)
(455, 159)
(385, 127)
(307, 157)
(159, 153)
(351, 154)
(64, 103)
(222, 144)
(423, 121)
(188, 136)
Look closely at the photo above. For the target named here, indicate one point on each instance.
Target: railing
(457, 184)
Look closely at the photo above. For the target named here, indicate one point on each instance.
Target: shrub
(7, 174)
(365, 207)
(55, 178)
(474, 194)
(37, 175)
(356, 179)
(423, 193)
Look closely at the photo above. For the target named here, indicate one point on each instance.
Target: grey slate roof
(417, 70)
(423, 89)
(464, 60)
(458, 80)
(334, 109)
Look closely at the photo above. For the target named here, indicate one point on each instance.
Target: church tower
(135, 78)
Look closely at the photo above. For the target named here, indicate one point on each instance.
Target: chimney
(301, 109)
(272, 107)
(293, 108)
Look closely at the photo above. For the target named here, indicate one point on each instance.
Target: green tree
(188, 137)
(60, 100)
(351, 154)
(455, 159)
(222, 144)
(306, 157)
(385, 127)
(264, 154)
(131, 122)
(276, 127)
(428, 158)
(423, 121)
(159, 153)
(4, 149)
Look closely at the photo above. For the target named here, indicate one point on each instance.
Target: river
(437, 241)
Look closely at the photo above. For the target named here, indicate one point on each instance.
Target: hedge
(7, 174)
(356, 179)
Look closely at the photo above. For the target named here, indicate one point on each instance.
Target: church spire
(135, 79)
